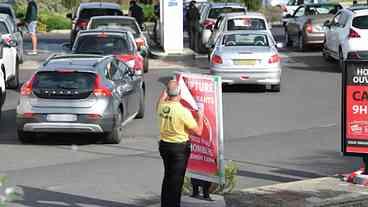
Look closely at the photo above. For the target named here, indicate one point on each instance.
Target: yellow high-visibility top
(174, 122)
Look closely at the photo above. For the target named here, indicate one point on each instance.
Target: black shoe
(195, 195)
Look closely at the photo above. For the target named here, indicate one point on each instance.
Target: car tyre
(341, 60)
(276, 88)
(301, 43)
(140, 114)
(146, 64)
(14, 82)
(25, 137)
(114, 137)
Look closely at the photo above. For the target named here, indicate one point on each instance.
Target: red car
(109, 42)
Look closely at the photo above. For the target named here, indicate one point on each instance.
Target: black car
(86, 11)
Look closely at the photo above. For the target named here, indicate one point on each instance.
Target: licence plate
(245, 62)
(61, 117)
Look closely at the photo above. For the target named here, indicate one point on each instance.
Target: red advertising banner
(202, 92)
(355, 109)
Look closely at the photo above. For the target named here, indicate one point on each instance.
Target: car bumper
(314, 38)
(39, 123)
(270, 77)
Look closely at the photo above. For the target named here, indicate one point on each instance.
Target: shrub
(273, 14)
(253, 5)
(231, 169)
(56, 21)
(148, 11)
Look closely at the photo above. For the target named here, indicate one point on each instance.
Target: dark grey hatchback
(80, 94)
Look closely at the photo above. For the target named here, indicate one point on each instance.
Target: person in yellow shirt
(175, 122)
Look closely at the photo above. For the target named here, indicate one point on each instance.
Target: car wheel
(141, 109)
(146, 64)
(14, 82)
(301, 43)
(288, 41)
(326, 56)
(275, 88)
(341, 60)
(25, 137)
(114, 137)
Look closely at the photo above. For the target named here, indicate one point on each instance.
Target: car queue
(100, 86)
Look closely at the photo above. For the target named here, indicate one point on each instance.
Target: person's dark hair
(133, 2)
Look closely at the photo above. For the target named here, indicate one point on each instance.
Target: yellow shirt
(174, 121)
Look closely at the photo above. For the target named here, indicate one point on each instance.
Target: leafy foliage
(253, 5)
(231, 170)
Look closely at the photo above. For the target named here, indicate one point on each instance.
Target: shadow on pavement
(236, 88)
(36, 197)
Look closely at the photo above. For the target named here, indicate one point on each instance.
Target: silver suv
(80, 94)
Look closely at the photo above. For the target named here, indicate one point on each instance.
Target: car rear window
(88, 13)
(63, 85)
(322, 9)
(361, 22)
(126, 24)
(245, 40)
(5, 11)
(246, 24)
(215, 12)
(103, 44)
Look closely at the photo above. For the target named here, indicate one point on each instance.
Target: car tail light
(28, 115)
(131, 61)
(27, 88)
(93, 117)
(82, 24)
(353, 34)
(208, 24)
(309, 26)
(274, 59)
(353, 55)
(215, 60)
(100, 89)
(140, 42)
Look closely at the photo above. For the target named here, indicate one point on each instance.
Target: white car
(346, 35)
(11, 55)
(2, 81)
(292, 5)
(236, 22)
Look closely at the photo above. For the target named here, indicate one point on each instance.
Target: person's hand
(163, 95)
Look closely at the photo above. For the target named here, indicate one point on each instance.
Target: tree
(69, 4)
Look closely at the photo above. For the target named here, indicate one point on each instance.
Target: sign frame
(344, 111)
(220, 176)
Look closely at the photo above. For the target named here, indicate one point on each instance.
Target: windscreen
(361, 22)
(5, 11)
(88, 13)
(246, 24)
(103, 44)
(216, 12)
(63, 85)
(126, 24)
(245, 40)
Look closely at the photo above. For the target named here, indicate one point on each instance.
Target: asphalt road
(273, 137)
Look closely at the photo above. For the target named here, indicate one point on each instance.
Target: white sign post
(171, 26)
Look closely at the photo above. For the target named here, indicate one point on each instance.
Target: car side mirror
(9, 41)
(327, 24)
(69, 15)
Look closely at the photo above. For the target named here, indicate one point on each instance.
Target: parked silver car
(247, 57)
(80, 94)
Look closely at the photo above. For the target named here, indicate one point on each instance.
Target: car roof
(6, 5)
(320, 4)
(106, 31)
(261, 32)
(114, 17)
(91, 5)
(78, 62)
(220, 5)
(248, 15)
(359, 9)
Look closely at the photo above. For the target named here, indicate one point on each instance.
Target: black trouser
(196, 183)
(175, 158)
(191, 34)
